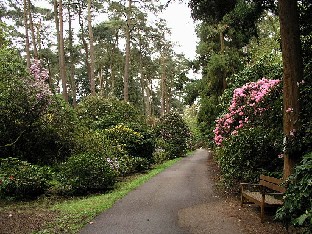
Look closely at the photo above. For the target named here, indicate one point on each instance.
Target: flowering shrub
(86, 173)
(39, 84)
(247, 102)
(133, 142)
(21, 179)
(172, 135)
(243, 157)
(23, 101)
(138, 147)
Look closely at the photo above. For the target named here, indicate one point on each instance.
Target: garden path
(179, 200)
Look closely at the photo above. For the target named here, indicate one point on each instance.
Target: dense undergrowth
(48, 147)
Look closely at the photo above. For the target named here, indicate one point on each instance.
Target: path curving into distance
(178, 200)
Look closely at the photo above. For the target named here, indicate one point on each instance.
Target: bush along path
(178, 200)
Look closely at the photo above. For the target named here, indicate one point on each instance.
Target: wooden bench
(268, 193)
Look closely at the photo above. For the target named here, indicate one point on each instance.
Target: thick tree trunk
(27, 44)
(62, 53)
(127, 59)
(92, 63)
(293, 72)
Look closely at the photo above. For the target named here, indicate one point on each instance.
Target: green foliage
(97, 112)
(173, 135)
(86, 173)
(207, 114)
(297, 207)
(242, 158)
(35, 125)
(20, 179)
(127, 165)
(268, 66)
(15, 102)
(52, 138)
(190, 118)
(135, 143)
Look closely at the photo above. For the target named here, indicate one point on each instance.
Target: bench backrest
(272, 183)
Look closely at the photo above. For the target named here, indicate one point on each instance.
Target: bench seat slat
(269, 200)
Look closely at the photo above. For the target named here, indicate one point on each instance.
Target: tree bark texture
(62, 53)
(92, 63)
(163, 86)
(27, 44)
(32, 29)
(72, 65)
(293, 72)
(84, 42)
(127, 59)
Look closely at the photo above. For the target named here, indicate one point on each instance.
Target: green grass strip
(75, 213)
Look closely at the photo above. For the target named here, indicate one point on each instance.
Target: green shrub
(85, 173)
(97, 112)
(173, 135)
(159, 156)
(254, 151)
(135, 143)
(297, 207)
(52, 139)
(21, 179)
(127, 165)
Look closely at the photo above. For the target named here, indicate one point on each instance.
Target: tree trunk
(84, 42)
(148, 99)
(92, 63)
(142, 75)
(72, 65)
(168, 99)
(163, 86)
(222, 47)
(27, 44)
(33, 37)
(293, 72)
(39, 37)
(62, 53)
(114, 46)
(127, 60)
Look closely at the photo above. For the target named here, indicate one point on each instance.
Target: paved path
(179, 200)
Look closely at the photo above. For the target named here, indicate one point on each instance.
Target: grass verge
(75, 213)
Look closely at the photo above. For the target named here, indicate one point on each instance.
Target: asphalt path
(178, 200)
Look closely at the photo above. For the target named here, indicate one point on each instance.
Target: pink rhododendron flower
(246, 101)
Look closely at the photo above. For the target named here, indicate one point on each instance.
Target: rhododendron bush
(249, 135)
(248, 103)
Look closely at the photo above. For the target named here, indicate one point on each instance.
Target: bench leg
(262, 208)
(242, 200)
(262, 214)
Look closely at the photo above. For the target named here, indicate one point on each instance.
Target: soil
(23, 220)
